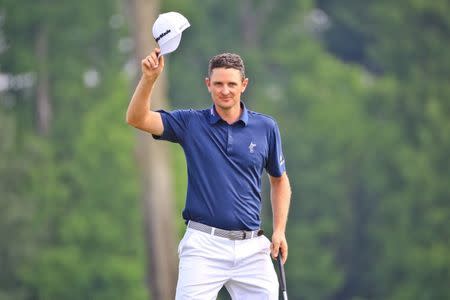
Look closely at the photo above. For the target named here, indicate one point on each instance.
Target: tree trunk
(154, 160)
(43, 105)
(252, 16)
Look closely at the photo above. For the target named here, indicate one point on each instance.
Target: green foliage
(28, 179)
(366, 145)
(406, 40)
(70, 201)
(97, 245)
(15, 214)
(363, 111)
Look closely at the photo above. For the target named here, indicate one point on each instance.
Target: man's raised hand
(152, 65)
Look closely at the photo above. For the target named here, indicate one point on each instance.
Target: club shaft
(282, 276)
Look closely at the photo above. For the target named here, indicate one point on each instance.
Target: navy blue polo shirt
(225, 163)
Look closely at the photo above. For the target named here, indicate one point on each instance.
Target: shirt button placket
(230, 139)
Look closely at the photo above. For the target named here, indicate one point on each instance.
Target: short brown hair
(227, 61)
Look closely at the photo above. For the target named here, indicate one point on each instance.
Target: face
(226, 87)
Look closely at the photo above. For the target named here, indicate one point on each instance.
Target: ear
(244, 84)
(208, 84)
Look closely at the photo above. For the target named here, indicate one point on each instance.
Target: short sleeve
(175, 125)
(275, 163)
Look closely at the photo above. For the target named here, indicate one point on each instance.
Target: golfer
(227, 147)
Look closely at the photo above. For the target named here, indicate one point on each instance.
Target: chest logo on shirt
(251, 147)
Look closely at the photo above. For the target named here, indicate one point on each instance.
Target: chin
(225, 104)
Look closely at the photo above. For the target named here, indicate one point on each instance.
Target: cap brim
(171, 45)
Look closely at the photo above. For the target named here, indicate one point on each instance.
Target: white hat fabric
(167, 31)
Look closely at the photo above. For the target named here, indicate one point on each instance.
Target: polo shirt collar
(214, 116)
(244, 115)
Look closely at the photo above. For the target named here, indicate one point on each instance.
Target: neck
(231, 114)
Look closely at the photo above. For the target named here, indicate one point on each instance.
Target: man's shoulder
(262, 118)
(200, 111)
(189, 110)
(186, 111)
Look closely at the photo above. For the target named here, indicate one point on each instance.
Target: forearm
(281, 198)
(139, 106)
(280, 195)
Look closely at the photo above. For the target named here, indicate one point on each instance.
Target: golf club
(282, 276)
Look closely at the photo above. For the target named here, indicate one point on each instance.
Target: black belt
(229, 234)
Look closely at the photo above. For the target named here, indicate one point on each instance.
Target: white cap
(167, 31)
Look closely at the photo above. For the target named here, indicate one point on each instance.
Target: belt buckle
(244, 234)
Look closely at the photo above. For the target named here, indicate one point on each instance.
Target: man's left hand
(279, 243)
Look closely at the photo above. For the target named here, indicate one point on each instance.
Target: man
(227, 147)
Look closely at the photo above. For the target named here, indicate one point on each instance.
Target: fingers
(274, 248)
(154, 59)
(279, 247)
(147, 63)
(284, 252)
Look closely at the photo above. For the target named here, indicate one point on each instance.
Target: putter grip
(282, 275)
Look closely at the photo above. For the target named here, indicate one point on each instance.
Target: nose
(225, 91)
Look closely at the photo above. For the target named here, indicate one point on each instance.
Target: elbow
(135, 121)
(130, 120)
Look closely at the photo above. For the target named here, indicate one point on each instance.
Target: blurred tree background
(361, 94)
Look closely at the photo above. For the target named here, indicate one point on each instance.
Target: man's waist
(221, 215)
(229, 234)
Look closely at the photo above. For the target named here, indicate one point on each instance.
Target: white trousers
(208, 262)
